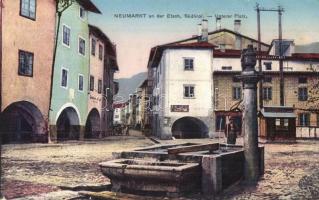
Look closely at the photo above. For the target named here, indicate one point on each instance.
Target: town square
(140, 99)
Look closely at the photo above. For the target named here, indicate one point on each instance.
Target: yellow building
(28, 28)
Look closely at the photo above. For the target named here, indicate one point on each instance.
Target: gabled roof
(156, 52)
(219, 31)
(89, 5)
(109, 46)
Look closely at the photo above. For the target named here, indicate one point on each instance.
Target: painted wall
(169, 87)
(75, 63)
(36, 36)
(96, 70)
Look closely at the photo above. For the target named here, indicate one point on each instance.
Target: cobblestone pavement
(30, 169)
(292, 170)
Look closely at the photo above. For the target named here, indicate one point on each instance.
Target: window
(82, 12)
(317, 120)
(80, 82)
(267, 65)
(235, 79)
(302, 80)
(93, 45)
(188, 64)
(236, 93)
(25, 63)
(189, 91)
(100, 52)
(28, 8)
(267, 79)
(304, 119)
(220, 123)
(227, 67)
(267, 93)
(282, 124)
(82, 46)
(99, 86)
(91, 83)
(66, 35)
(64, 78)
(302, 94)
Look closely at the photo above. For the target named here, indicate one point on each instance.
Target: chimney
(204, 37)
(237, 23)
(238, 43)
(199, 30)
(218, 23)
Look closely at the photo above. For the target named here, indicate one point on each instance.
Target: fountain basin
(152, 176)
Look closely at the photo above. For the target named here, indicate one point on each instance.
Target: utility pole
(280, 10)
(281, 64)
(261, 102)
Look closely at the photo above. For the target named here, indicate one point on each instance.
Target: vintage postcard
(159, 99)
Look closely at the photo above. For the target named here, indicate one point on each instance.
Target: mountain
(308, 48)
(129, 85)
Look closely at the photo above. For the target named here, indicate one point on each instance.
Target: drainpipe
(59, 15)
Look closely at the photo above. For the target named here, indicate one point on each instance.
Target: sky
(134, 37)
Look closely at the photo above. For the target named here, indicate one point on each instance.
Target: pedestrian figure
(231, 131)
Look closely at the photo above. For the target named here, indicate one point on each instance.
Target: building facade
(196, 91)
(69, 104)
(182, 97)
(27, 43)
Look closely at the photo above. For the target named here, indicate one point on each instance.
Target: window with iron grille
(188, 64)
(236, 93)
(82, 46)
(100, 52)
(80, 82)
(267, 65)
(93, 45)
(302, 80)
(64, 78)
(25, 63)
(66, 35)
(91, 83)
(28, 8)
(304, 119)
(302, 94)
(189, 91)
(267, 93)
(99, 86)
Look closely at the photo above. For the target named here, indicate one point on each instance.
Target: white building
(182, 98)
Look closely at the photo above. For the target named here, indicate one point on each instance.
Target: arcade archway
(93, 124)
(22, 122)
(189, 127)
(68, 125)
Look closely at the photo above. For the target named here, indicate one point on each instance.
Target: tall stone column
(250, 78)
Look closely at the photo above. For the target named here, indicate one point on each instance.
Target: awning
(277, 115)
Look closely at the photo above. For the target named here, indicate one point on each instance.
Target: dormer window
(82, 13)
(227, 67)
(267, 65)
